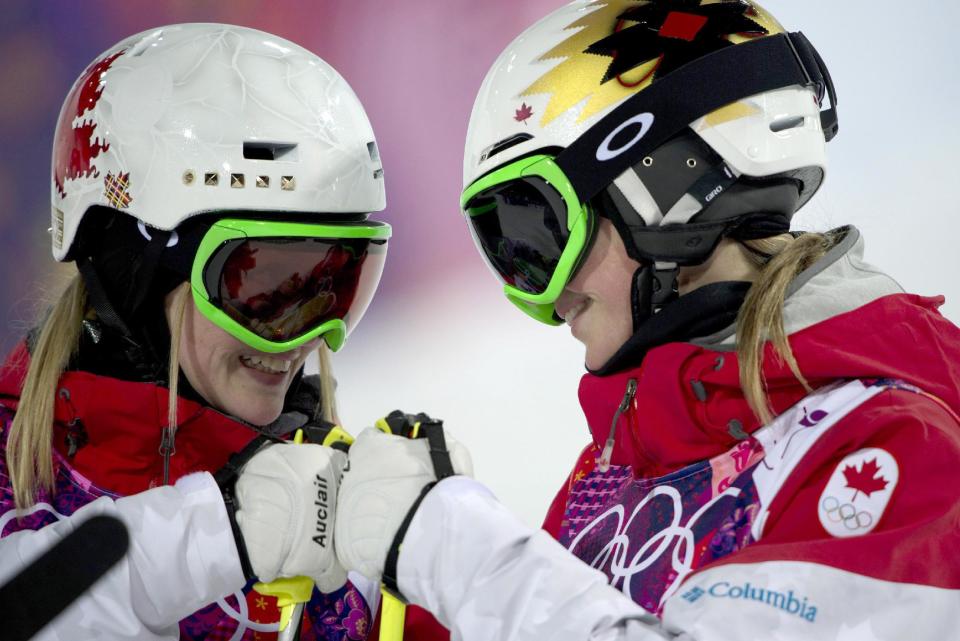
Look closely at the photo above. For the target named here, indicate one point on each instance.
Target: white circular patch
(858, 492)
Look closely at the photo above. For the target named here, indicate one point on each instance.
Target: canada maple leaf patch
(867, 479)
(872, 474)
(523, 113)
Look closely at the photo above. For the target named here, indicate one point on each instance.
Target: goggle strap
(100, 301)
(708, 83)
(149, 261)
(811, 60)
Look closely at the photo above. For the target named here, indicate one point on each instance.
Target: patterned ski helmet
(193, 118)
(681, 121)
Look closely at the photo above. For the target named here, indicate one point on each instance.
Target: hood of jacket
(845, 319)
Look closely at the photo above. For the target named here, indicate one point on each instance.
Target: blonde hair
(178, 310)
(780, 259)
(30, 441)
(29, 449)
(327, 410)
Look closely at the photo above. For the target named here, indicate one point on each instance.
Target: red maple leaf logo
(523, 113)
(867, 479)
(74, 146)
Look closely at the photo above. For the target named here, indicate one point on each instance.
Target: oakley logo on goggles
(529, 218)
(278, 285)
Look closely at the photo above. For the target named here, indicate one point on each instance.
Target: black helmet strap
(134, 352)
(119, 266)
(650, 117)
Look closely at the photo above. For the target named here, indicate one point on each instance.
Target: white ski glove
(286, 499)
(384, 479)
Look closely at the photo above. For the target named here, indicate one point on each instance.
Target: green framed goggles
(532, 230)
(278, 285)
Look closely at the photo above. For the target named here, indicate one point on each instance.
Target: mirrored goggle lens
(520, 228)
(282, 288)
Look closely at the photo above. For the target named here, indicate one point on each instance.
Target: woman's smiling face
(233, 377)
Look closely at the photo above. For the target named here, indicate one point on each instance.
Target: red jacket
(689, 409)
(897, 447)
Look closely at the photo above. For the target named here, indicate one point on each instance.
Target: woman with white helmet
(774, 422)
(213, 185)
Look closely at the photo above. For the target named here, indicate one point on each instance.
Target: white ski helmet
(194, 118)
(680, 121)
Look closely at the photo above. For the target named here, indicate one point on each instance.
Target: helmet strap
(640, 290)
(121, 269)
(653, 286)
(146, 270)
(134, 351)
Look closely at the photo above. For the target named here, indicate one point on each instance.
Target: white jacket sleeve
(485, 575)
(182, 557)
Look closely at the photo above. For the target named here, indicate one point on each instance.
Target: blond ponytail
(30, 442)
(780, 259)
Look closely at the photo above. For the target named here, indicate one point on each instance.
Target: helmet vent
(270, 151)
(504, 144)
(790, 122)
(375, 159)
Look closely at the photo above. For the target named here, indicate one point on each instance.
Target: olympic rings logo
(845, 513)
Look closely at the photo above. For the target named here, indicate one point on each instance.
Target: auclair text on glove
(322, 511)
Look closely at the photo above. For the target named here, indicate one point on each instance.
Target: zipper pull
(168, 448)
(603, 464)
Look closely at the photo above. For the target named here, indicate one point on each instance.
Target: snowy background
(440, 337)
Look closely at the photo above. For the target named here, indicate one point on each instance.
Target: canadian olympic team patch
(858, 492)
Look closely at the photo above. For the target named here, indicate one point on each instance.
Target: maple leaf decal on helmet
(523, 113)
(76, 145)
(867, 479)
(683, 31)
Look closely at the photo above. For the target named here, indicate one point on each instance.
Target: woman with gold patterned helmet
(766, 460)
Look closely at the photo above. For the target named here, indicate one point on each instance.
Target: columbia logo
(693, 594)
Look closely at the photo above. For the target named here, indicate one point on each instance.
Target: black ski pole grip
(44, 589)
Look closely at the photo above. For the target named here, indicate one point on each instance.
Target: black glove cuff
(432, 430)
(230, 501)
(226, 478)
(393, 554)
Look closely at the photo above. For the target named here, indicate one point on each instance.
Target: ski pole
(291, 594)
(392, 617)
